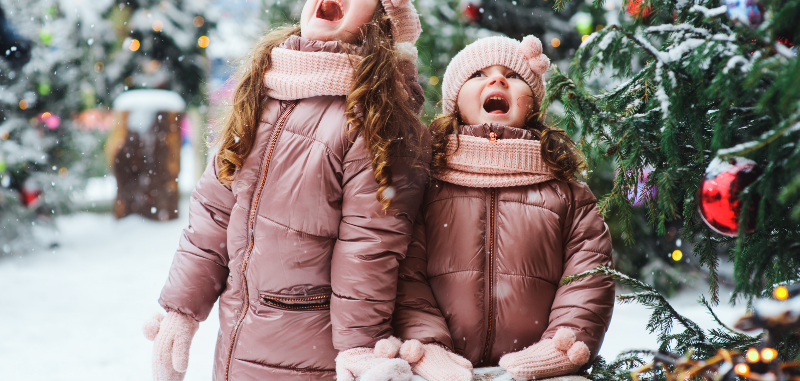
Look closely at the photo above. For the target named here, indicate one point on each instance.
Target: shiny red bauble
(718, 195)
(636, 10)
(473, 12)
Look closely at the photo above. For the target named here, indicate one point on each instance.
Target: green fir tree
(691, 85)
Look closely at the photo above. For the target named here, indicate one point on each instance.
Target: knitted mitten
(368, 364)
(435, 363)
(558, 356)
(172, 336)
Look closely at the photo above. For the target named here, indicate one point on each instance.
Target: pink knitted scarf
(302, 68)
(479, 162)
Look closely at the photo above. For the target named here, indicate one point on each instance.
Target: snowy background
(75, 312)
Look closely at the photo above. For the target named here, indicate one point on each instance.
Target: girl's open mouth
(496, 104)
(330, 10)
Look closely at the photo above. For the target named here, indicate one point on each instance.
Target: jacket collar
(302, 44)
(501, 131)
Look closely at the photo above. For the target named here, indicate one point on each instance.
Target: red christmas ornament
(718, 195)
(30, 197)
(473, 12)
(635, 9)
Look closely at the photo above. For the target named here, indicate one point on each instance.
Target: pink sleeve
(200, 266)
(584, 306)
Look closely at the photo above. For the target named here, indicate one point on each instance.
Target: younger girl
(298, 223)
(502, 224)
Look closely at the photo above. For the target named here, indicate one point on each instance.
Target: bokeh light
(158, 25)
(555, 42)
(781, 293)
(768, 354)
(134, 46)
(203, 41)
(677, 255)
(198, 21)
(23, 104)
(752, 355)
(434, 80)
(98, 67)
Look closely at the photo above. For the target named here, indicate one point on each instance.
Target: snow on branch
(669, 28)
(713, 12)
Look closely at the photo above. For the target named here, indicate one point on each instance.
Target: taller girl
(299, 222)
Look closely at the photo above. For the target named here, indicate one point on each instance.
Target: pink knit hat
(525, 58)
(405, 20)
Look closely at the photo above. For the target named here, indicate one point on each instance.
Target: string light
(742, 369)
(781, 293)
(752, 355)
(768, 354)
(677, 255)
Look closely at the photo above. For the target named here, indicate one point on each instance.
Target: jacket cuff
(193, 285)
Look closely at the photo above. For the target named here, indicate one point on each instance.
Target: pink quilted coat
(297, 250)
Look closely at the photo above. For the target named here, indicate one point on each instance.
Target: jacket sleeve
(369, 246)
(200, 267)
(584, 306)
(416, 314)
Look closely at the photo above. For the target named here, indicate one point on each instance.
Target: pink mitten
(369, 364)
(435, 363)
(172, 336)
(558, 356)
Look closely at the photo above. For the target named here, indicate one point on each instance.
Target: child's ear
(531, 49)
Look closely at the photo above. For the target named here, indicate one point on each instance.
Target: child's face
(335, 20)
(495, 94)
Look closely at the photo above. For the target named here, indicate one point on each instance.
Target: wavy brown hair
(559, 152)
(389, 128)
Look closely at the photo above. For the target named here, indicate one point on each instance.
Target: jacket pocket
(313, 302)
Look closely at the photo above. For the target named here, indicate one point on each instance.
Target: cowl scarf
(493, 155)
(303, 68)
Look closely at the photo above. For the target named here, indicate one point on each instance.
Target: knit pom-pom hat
(525, 58)
(405, 20)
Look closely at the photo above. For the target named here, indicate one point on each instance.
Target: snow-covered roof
(149, 100)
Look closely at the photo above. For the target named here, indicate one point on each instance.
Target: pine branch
(663, 311)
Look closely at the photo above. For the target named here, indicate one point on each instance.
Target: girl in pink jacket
(501, 224)
(298, 223)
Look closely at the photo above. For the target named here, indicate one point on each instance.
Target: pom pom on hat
(531, 49)
(412, 351)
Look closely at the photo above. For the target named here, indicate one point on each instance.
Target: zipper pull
(492, 136)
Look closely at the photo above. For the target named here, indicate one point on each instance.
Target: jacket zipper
(490, 287)
(251, 224)
(276, 303)
(324, 302)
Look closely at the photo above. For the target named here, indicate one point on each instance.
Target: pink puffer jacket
(297, 250)
(483, 273)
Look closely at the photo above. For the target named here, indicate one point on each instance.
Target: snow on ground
(76, 312)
